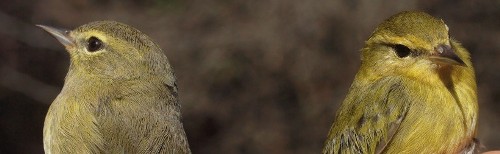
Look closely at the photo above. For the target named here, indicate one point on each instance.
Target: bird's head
(414, 45)
(108, 49)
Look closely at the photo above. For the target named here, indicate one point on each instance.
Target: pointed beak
(446, 55)
(60, 34)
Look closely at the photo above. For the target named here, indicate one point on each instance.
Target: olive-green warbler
(415, 92)
(119, 95)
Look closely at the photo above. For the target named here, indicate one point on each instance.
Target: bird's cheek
(420, 68)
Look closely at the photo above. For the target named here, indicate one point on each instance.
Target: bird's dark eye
(402, 51)
(94, 44)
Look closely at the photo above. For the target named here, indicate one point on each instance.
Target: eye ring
(94, 44)
(402, 51)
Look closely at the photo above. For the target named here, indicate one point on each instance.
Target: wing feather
(369, 118)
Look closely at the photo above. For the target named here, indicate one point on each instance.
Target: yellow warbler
(415, 92)
(119, 96)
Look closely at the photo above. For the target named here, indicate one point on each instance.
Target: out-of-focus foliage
(254, 76)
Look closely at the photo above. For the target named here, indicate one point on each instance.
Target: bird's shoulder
(370, 114)
(146, 114)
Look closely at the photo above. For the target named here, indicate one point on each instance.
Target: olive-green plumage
(119, 96)
(415, 92)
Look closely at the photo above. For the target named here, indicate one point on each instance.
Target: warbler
(415, 92)
(119, 95)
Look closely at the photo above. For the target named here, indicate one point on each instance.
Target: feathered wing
(152, 126)
(369, 118)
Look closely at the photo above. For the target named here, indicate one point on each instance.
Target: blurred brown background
(255, 76)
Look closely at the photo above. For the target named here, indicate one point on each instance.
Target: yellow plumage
(415, 92)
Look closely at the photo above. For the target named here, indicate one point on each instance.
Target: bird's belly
(436, 126)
